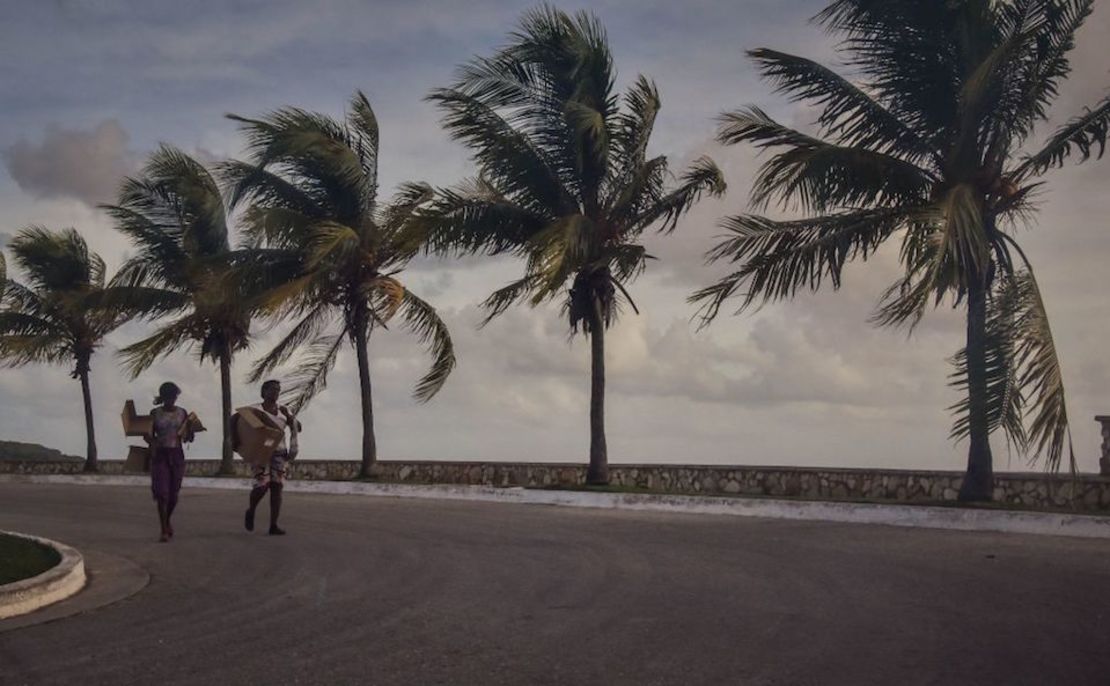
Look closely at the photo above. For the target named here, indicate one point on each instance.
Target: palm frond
(1082, 134)
(141, 301)
(423, 320)
(506, 157)
(1041, 378)
(386, 295)
(819, 176)
(848, 114)
(20, 298)
(311, 376)
(315, 153)
(19, 324)
(1004, 400)
(140, 355)
(941, 256)
(17, 350)
(331, 244)
(779, 257)
(54, 261)
(364, 138)
(402, 224)
(504, 297)
(626, 261)
(633, 128)
(1032, 79)
(703, 176)
(559, 251)
(475, 218)
(307, 329)
(161, 250)
(904, 50)
(245, 182)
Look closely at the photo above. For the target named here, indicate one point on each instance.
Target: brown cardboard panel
(192, 423)
(138, 459)
(257, 437)
(135, 424)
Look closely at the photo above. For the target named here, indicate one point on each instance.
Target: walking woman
(171, 428)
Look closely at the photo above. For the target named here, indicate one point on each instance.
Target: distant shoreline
(33, 452)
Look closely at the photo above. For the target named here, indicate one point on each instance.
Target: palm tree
(174, 214)
(564, 180)
(928, 147)
(55, 318)
(312, 185)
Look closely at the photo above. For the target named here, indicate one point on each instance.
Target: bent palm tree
(312, 183)
(564, 180)
(55, 318)
(174, 214)
(927, 148)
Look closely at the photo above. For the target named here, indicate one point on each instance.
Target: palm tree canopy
(174, 214)
(53, 316)
(311, 187)
(929, 145)
(564, 177)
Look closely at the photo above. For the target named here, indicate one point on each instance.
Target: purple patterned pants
(167, 467)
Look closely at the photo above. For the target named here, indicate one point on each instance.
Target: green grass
(22, 559)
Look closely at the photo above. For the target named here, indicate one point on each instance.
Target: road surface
(395, 591)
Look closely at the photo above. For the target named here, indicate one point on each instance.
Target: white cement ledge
(57, 583)
(918, 516)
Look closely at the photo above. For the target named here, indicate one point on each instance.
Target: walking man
(270, 478)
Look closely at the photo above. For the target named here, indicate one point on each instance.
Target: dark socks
(275, 509)
(257, 494)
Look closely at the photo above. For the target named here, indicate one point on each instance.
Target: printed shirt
(167, 426)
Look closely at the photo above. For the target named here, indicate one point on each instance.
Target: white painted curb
(915, 516)
(57, 583)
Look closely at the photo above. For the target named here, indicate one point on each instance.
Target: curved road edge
(915, 516)
(61, 581)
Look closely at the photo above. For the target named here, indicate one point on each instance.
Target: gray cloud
(802, 382)
(83, 164)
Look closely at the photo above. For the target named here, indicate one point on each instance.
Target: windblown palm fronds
(174, 214)
(310, 190)
(54, 316)
(564, 179)
(929, 146)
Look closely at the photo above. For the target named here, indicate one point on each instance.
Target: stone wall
(1033, 490)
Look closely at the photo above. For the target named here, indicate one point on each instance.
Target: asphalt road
(393, 591)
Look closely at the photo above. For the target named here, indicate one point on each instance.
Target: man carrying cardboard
(269, 475)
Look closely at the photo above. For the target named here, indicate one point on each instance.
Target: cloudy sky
(89, 87)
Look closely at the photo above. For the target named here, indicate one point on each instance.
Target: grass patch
(21, 558)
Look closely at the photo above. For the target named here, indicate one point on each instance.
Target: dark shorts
(167, 468)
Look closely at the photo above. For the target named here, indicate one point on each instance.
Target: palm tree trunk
(978, 484)
(369, 443)
(598, 471)
(227, 464)
(91, 464)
